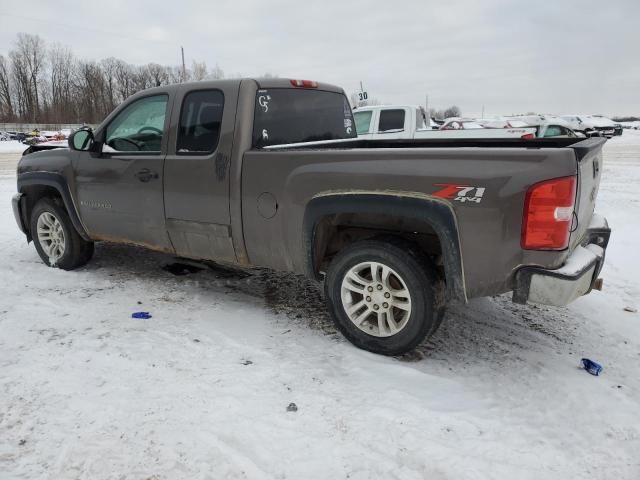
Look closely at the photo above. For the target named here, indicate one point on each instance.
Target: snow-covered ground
(8, 152)
(12, 146)
(200, 391)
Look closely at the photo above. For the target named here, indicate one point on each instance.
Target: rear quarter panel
(489, 231)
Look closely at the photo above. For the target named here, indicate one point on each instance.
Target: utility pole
(427, 116)
(184, 71)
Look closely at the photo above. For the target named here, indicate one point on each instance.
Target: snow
(201, 389)
(12, 146)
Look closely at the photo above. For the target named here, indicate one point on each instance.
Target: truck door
(119, 189)
(196, 172)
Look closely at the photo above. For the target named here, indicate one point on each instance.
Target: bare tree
(29, 58)
(158, 74)
(109, 70)
(6, 105)
(125, 81)
(199, 71)
(216, 73)
(61, 65)
(452, 111)
(50, 85)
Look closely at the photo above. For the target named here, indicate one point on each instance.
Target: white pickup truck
(388, 122)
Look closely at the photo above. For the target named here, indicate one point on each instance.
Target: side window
(391, 120)
(200, 121)
(139, 127)
(363, 121)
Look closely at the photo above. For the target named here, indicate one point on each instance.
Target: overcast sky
(513, 56)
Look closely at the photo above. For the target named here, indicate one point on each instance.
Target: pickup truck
(268, 173)
(389, 122)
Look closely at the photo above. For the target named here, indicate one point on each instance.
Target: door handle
(146, 175)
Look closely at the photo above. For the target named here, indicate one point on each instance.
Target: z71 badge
(459, 193)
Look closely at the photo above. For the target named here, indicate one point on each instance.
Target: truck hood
(601, 122)
(39, 147)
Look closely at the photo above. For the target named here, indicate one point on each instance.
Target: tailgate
(589, 157)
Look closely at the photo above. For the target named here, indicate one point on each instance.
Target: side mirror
(81, 140)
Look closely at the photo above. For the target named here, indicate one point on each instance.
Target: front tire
(384, 295)
(55, 238)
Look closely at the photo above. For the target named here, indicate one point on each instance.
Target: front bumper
(18, 210)
(606, 131)
(577, 277)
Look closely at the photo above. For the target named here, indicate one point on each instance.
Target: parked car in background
(436, 123)
(456, 123)
(584, 124)
(548, 126)
(551, 129)
(501, 123)
(17, 136)
(606, 126)
(390, 122)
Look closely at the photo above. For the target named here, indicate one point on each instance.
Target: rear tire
(384, 295)
(55, 238)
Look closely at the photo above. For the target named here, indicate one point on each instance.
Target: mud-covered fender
(423, 208)
(59, 183)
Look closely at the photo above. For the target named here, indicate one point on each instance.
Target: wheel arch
(37, 185)
(411, 215)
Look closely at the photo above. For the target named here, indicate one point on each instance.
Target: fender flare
(58, 182)
(436, 212)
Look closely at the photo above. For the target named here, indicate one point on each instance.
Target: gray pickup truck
(270, 173)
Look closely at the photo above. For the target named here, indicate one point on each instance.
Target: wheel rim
(51, 236)
(376, 299)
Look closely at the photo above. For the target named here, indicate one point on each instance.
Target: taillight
(304, 83)
(528, 136)
(548, 214)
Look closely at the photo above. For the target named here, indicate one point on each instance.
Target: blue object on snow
(142, 315)
(592, 367)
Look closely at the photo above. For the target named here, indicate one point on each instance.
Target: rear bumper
(575, 278)
(16, 203)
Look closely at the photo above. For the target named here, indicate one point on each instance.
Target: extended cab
(269, 173)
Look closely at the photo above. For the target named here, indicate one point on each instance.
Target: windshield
(292, 115)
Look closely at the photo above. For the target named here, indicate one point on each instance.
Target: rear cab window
(293, 115)
(390, 120)
(200, 121)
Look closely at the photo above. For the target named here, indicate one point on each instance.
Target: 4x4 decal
(460, 193)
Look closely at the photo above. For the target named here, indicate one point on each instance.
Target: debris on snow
(590, 366)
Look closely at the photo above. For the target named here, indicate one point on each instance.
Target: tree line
(49, 84)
